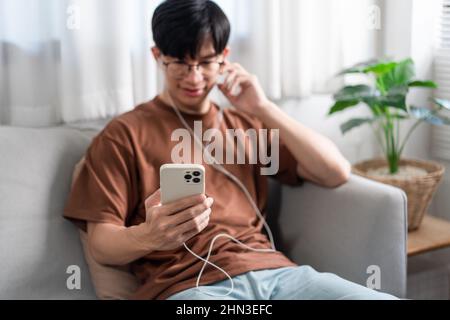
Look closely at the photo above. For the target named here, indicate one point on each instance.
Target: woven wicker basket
(419, 189)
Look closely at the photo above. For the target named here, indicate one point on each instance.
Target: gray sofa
(343, 230)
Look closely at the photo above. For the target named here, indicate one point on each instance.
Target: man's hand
(252, 98)
(168, 226)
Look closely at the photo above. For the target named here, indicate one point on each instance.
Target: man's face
(190, 86)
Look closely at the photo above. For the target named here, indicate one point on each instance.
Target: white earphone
(221, 80)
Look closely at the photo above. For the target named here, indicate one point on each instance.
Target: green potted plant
(386, 99)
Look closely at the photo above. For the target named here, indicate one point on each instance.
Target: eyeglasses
(180, 69)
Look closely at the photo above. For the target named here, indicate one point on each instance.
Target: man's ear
(156, 52)
(226, 52)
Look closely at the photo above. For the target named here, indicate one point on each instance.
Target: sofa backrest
(38, 247)
(40, 251)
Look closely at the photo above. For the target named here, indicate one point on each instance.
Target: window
(441, 134)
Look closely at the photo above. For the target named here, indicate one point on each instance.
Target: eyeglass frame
(197, 65)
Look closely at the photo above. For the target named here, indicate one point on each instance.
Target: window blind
(441, 134)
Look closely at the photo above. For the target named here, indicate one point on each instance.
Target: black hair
(181, 26)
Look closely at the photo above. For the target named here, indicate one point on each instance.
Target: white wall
(358, 144)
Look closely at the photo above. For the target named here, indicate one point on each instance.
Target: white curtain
(297, 46)
(69, 60)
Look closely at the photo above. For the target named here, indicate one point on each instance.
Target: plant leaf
(445, 119)
(398, 90)
(429, 116)
(360, 67)
(399, 116)
(424, 84)
(357, 92)
(398, 102)
(396, 97)
(400, 75)
(341, 105)
(381, 68)
(442, 103)
(418, 112)
(353, 123)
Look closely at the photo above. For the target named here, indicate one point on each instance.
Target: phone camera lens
(188, 176)
(196, 173)
(196, 180)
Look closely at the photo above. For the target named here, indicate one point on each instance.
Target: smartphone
(181, 180)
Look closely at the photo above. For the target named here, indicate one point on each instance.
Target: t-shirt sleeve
(285, 170)
(105, 190)
(287, 164)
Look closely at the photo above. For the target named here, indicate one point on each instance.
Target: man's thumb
(153, 200)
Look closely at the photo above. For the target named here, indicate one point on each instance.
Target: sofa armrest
(347, 229)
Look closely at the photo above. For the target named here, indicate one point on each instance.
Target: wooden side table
(433, 234)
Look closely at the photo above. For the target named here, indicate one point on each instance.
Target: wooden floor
(433, 233)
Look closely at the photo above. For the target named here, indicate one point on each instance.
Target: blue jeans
(290, 283)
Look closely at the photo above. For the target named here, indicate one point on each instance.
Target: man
(116, 196)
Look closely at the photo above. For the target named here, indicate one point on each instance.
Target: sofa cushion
(37, 245)
(110, 282)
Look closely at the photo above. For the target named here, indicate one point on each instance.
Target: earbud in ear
(221, 78)
(237, 91)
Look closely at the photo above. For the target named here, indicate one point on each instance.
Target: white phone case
(180, 180)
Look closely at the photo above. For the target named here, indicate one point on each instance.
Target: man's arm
(318, 158)
(114, 245)
(166, 227)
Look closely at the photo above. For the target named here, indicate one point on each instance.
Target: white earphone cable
(213, 161)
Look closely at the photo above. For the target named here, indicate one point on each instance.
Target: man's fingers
(190, 229)
(192, 212)
(229, 67)
(182, 204)
(239, 68)
(230, 78)
(226, 66)
(236, 83)
(194, 224)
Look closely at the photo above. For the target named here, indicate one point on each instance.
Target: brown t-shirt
(122, 170)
